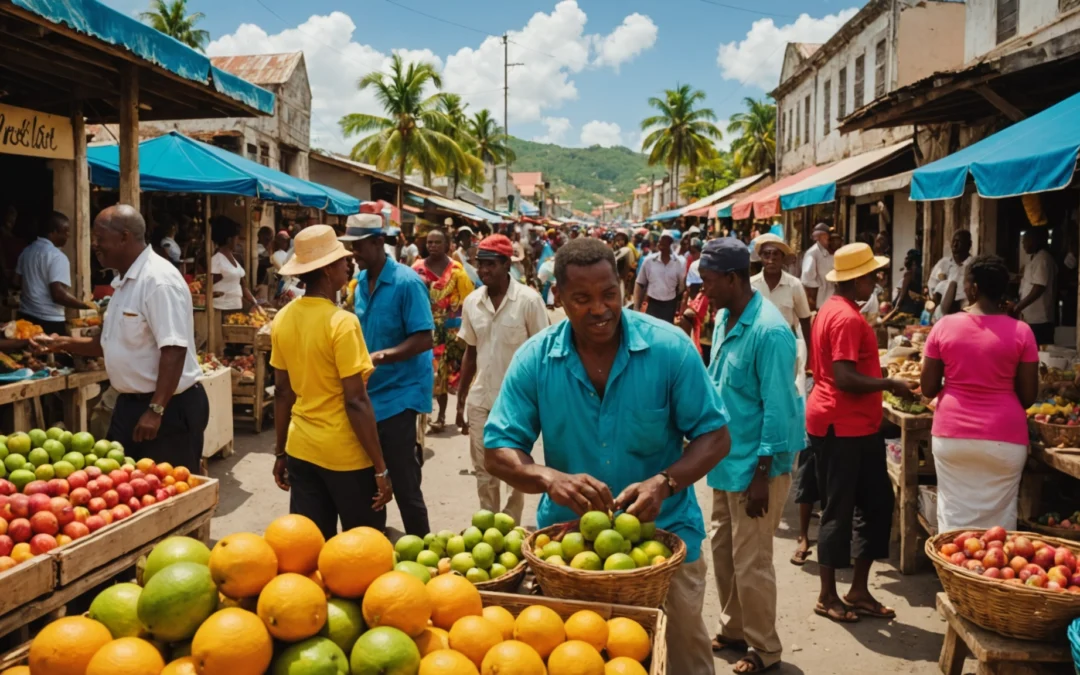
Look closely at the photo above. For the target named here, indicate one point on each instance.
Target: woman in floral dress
(448, 285)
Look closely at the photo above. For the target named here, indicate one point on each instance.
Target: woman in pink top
(990, 366)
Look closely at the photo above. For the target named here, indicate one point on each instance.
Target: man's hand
(281, 472)
(385, 493)
(581, 493)
(147, 428)
(903, 388)
(377, 358)
(460, 422)
(644, 499)
(44, 344)
(757, 495)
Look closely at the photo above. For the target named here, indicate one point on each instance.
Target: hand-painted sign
(28, 132)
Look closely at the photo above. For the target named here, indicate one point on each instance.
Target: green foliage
(681, 134)
(173, 20)
(754, 150)
(715, 174)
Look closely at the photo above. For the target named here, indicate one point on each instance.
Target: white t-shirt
(232, 297)
(818, 262)
(278, 258)
(1041, 270)
(946, 271)
(171, 248)
(39, 265)
(409, 254)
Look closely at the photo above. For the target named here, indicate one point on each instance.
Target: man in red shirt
(843, 416)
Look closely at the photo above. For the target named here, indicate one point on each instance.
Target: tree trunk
(401, 176)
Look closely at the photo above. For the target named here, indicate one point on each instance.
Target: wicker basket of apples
(1019, 584)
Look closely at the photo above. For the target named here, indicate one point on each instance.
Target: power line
(748, 10)
(440, 19)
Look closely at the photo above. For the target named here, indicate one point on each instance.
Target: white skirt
(978, 482)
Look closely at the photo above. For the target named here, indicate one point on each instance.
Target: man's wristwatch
(670, 482)
(385, 474)
(157, 409)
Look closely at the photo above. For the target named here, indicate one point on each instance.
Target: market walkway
(250, 500)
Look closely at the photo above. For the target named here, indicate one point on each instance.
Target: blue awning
(176, 163)
(464, 208)
(92, 18)
(527, 208)
(820, 187)
(1034, 155)
(666, 215)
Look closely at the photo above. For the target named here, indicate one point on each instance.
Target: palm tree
(754, 150)
(714, 174)
(457, 129)
(173, 20)
(490, 144)
(409, 136)
(681, 134)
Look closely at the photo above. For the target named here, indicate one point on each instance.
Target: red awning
(766, 203)
(377, 208)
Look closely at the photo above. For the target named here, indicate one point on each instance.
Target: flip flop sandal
(879, 612)
(848, 617)
(799, 558)
(720, 643)
(754, 660)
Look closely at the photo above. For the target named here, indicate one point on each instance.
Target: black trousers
(397, 436)
(326, 496)
(856, 498)
(663, 309)
(179, 439)
(806, 487)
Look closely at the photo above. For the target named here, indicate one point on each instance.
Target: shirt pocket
(647, 430)
(736, 372)
(134, 330)
(511, 330)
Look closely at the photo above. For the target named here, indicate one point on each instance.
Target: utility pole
(506, 106)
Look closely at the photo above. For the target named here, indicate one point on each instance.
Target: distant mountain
(587, 176)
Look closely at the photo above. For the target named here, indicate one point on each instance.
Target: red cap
(498, 244)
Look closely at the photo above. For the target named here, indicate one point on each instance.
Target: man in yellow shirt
(328, 454)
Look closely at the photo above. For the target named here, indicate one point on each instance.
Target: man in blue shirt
(392, 304)
(753, 364)
(614, 393)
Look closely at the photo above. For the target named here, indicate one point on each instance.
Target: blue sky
(589, 65)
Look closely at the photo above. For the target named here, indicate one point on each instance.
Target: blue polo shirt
(657, 393)
(398, 307)
(754, 367)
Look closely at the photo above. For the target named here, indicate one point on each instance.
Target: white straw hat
(314, 248)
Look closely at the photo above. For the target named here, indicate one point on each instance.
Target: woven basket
(507, 583)
(1056, 435)
(642, 587)
(1059, 532)
(1020, 612)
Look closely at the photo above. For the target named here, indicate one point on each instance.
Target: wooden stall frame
(905, 478)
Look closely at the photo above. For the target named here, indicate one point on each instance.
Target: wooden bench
(996, 654)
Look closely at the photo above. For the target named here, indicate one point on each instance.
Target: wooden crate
(25, 582)
(239, 334)
(654, 621)
(219, 430)
(85, 555)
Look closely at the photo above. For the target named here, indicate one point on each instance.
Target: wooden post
(211, 326)
(253, 246)
(129, 136)
(81, 216)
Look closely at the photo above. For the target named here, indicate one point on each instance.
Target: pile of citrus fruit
(291, 603)
(487, 549)
(603, 543)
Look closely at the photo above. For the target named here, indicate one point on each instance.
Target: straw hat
(314, 248)
(769, 238)
(853, 261)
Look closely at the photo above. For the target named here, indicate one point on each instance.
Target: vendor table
(25, 398)
(996, 654)
(905, 478)
(246, 394)
(218, 437)
(1065, 460)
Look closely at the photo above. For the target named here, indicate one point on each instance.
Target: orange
(575, 658)
(350, 561)
(447, 662)
(512, 657)
(16, 670)
(6, 563)
(502, 618)
(232, 642)
(626, 637)
(399, 600)
(293, 607)
(164, 469)
(181, 473)
(588, 626)
(181, 666)
(540, 628)
(145, 465)
(127, 655)
(181, 487)
(453, 597)
(21, 552)
(316, 576)
(432, 639)
(622, 665)
(65, 646)
(473, 636)
(241, 564)
(297, 541)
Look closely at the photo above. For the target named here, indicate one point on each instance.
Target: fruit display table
(25, 398)
(50, 581)
(996, 654)
(914, 429)
(81, 389)
(252, 394)
(1065, 460)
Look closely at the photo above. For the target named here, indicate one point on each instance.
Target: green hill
(587, 176)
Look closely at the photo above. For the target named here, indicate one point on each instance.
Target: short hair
(222, 229)
(743, 274)
(266, 230)
(991, 275)
(51, 223)
(124, 218)
(963, 234)
(582, 252)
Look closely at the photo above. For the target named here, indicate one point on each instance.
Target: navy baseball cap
(725, 254)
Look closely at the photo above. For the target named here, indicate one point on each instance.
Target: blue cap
(725, 254)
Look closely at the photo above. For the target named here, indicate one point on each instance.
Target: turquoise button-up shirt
(657, 393)
(754, 367)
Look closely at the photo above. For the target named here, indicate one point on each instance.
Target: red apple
(1044, 557)
(36, 487)
(96, 505)
(106, 515)
(94, 523)
(948, 549)
(39, 502)
(980, 554)
(994, 543)
(994, 557)
(92, 472)
(111, 498)
(1065, 557)
(1023, 548)
(7, 488)
(1037, 580)
(118, 477)
(134, 504)
(962, 537)
(1038, 544)
(1054, 586)
(105, 483)
(5, 513)
(80, 496)
(126, 492)
(78, 479)
(170, 490)
(161, 494)
(120, 512)
(137, 474)
(958, 558)
(992, 573)
(153, 481)
(974, 566)
(58, 487)
(76, 530)
(20, 530)
(42, 543)
(6, 544)
(996, 533)
(44, 522)
(95, 488)
(148, 500)
(62, 509)
(140, 486)
(1008, 573)
(81, 514)
(20, 506)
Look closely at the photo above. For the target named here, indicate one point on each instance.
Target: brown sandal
(799, 557)
(875, 611)
(848, 616)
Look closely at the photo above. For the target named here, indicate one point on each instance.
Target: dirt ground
(910, 644)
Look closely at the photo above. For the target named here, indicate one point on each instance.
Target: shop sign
(36, 134)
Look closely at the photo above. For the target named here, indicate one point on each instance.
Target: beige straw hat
(769, 238)
(314, 248)
(854, 261)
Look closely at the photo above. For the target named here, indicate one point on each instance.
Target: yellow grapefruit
(232, 641)
(297, 541)
(65, 646)
(293, 607)
(241, 564)
(127, 655)
(540, 628)
(626, 637)
(447, 662)
(575, 658)
(453, 597)
(399, 600)
(588, 626)
(352, 560)
(512, 657)
(473, 636)
(502, 618)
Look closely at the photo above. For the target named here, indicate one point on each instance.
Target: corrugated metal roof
(260, 68)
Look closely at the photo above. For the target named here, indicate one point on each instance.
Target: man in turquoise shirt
(614, 393)
(753, 364)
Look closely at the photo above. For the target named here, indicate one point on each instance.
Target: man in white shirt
(148, 341)
(44, 273)
(817, 263)
(496, 319)
(947, 277)
(1038, 291)
(662, 279)
(410, 252)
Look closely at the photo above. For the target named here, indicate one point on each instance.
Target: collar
(749, 315)
(46, 240)
(563, 343)
(512, 291)
(135, 269)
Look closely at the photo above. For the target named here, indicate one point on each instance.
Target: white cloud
(636, 34)
(557, 128)
(604, 134)
(758, 58)
(552, 48)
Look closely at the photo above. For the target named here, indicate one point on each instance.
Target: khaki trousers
(688, 642)
(742, 549)
(487, 486)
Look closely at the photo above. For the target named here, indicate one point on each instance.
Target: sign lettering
(35, 134)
